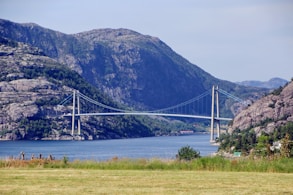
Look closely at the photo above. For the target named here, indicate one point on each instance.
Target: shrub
(65, 160)
(187, 153)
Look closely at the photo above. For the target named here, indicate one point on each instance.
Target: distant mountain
(138, 70)
(270, 84)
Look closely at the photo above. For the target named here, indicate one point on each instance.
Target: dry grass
(80, 181)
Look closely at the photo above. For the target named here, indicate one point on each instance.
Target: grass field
(89, 181)
(207, 175)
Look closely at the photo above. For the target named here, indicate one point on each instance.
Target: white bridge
(214, 117)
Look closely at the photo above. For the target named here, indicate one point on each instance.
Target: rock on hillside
(271, 111)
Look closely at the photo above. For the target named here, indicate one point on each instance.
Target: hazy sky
(233, 40)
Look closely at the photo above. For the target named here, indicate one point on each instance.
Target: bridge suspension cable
(67, 99)
(183, 103)
(231, 96)
(100, 104)
(145, 111)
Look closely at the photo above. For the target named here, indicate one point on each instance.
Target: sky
(232, 40)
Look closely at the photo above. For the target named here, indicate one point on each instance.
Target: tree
(262, 146)
(286, 146)
(187, 153)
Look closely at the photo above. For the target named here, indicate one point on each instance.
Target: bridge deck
(149, 114)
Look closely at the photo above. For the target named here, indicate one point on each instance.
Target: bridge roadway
(148, 114)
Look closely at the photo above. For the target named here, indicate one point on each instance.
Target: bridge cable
(232, 96)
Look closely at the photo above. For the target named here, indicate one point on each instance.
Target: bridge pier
(215, 92)
(73, 114)
(78, 112)
(74, 98)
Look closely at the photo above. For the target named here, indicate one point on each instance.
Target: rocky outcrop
(268, 113)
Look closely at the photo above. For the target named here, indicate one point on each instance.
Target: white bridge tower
(215, 92)
(74, 107)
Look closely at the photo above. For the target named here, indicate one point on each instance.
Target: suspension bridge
(187, 109)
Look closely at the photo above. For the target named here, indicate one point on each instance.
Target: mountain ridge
(142, 73)
(272, 83)
(139, 71)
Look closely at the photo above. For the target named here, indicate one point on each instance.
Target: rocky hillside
(138, 70)
(268, 113)
(270, 84)
(31, 87)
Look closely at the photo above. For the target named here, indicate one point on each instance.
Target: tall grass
(217, 163)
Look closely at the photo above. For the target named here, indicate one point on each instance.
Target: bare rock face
(17, 111)
(269, 112)
(30, 84)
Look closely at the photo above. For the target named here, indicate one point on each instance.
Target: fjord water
(151, 147)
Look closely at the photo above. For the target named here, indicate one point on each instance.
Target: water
(151, 147)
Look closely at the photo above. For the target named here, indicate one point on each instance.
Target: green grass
(280, 165)
(82, 181)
